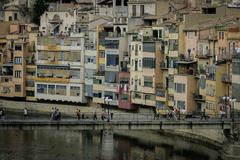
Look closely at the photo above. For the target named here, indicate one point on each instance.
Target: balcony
(198, 97)
(112, 68)
(211, 76)
(98, 100)
(227, 56)
(163, 66)
(6, 79)
(111, 87)
(171, 91)
(171, 103)
(161, 95)
(201, 55)
(226, 78)
(51, 80)
(150, 103)
(173, 54)
(212, 37)
(98, 87)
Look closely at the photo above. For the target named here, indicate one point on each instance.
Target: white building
(60, 68)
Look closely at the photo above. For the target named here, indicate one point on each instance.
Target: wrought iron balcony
(226, 78)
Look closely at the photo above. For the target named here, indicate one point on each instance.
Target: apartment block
(145, 68)
(60, 68)
(15, 55)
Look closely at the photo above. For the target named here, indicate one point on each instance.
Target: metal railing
(124, 117)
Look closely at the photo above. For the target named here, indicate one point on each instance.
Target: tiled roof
(217, 22)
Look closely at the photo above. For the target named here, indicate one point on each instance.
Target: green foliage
(39, 8)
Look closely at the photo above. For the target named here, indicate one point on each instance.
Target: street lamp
(107, 100)
(232, 108)
(226, 100)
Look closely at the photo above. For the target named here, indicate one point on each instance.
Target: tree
(39, 8)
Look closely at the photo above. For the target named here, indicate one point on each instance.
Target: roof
(217, 22)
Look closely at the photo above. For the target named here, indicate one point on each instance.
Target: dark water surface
(91, 145)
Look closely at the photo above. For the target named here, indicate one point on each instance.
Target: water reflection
(91, 145)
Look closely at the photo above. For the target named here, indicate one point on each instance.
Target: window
(30, 83)
(17, 88)
(111, 77)
(173, 45)
(161, 93)
(181, 105)
(74, 91)
(180, 88)
(17, 74)
(18, 47)
(98, 95)
(124, 97)
(140, 63)
(141, 10)
(88, 91)
(148, 62)
(236, 68)
(15, 16)
(118, 2)
(190, 35)
(148, 81)
(10, 18)
(61, 90)
(18, 60)
(112, 60)
(235, 91)
(149, 97)
(137, 96)
(30, 93)
(148, 47)
(112, 44)
(220, 35)
(160, 105)
(134, 10)
(157, 34)
(51, 89)
(101, 54)
(42, 88)
(136, 65)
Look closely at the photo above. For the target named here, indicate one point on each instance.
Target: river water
(99, 145)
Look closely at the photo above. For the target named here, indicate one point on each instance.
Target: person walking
(1, 113)
(178, 113)
(25, 113)
(95, 115)
(111, 115)
(78, 113)
(203, 115)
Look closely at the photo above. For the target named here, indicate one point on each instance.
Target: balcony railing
(202, 55)
(163, 66)
(226, 78)
(198, 97)
(6, 79)
(51, 80)
(211, 76)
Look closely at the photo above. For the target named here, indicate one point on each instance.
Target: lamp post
(232, 108)
(107, 101)
(226, 100)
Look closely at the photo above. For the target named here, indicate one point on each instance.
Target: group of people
(104, 115)
(171, 114)
(56, 114)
